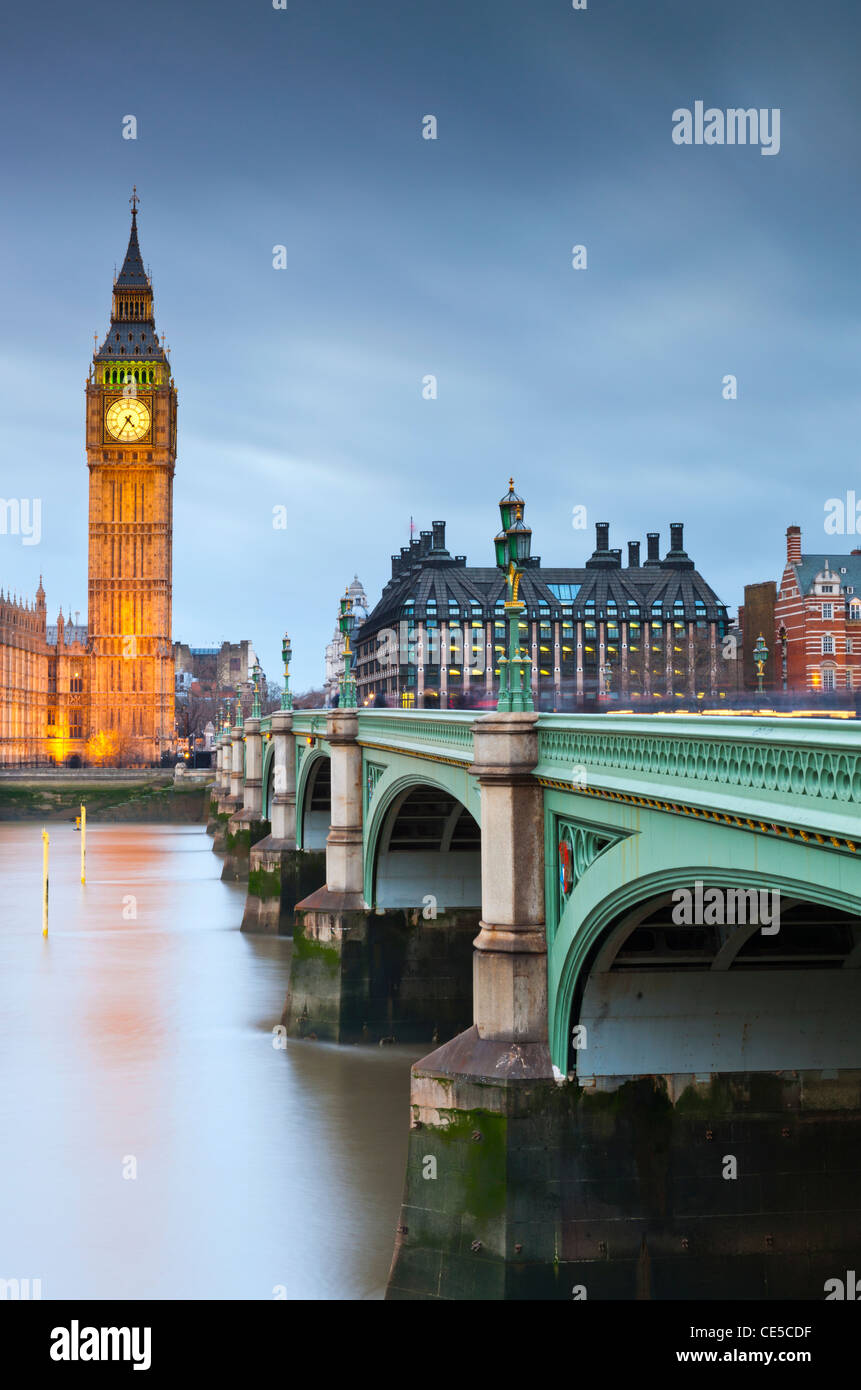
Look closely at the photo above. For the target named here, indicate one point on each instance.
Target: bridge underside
(402, 969)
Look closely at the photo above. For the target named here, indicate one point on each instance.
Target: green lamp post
(513, 546)
(286, 654)
(760, 656)
(347, 683)
(227, 725)
(256, 673)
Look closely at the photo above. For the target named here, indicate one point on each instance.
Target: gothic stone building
(649, 631)
(113, 679)
(43, 694)
(335, 648)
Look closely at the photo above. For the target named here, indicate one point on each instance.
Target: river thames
(138, 1038)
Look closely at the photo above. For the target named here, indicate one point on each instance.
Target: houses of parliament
(104, 691)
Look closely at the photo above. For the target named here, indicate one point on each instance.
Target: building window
(76, 684)
(590, 646)
(828, 611)
(567, 655)
(827, 644)
(848, 680)
(827, 678)
(612, 646)
(848, 646)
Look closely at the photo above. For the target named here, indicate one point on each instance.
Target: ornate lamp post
(760, 656)
(227, 724)
(286, 654)
(347, 683)
(256, 673)
(513, 546)
(782, 636)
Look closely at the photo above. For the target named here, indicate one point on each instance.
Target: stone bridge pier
(279, 874)
(223, 802)
(362, 972)
(212, 824)
(247, 824)
(485, 1110)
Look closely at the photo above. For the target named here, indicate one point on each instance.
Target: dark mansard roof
(143, 342)
(425, 572)
(813, 565)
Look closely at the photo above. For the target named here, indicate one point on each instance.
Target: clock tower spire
(131, 454)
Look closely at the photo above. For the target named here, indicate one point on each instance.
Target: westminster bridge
(634, 943)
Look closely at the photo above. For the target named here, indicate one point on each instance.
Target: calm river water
(149, 1038)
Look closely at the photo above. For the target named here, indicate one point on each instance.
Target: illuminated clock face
(127, 419)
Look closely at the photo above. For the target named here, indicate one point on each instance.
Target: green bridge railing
(805, 771)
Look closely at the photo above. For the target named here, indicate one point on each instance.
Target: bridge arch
(313, 799)
(430, 808)
(743, 976)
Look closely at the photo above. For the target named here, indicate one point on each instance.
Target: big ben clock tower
(131, 453)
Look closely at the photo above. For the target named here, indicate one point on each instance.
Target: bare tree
(309, 699)
(199, 710)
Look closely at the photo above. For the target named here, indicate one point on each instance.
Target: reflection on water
(141, 1028)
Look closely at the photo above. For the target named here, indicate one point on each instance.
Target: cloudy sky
(406, 257)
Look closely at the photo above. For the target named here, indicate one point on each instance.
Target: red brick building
(818, 605)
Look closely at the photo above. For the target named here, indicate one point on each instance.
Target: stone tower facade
(131, 454)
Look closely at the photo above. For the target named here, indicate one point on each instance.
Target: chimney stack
(425, 537)
(438, 535)
(793, 545)
(602, 535)
(677, 536)
(653, 541)
(633, 555)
